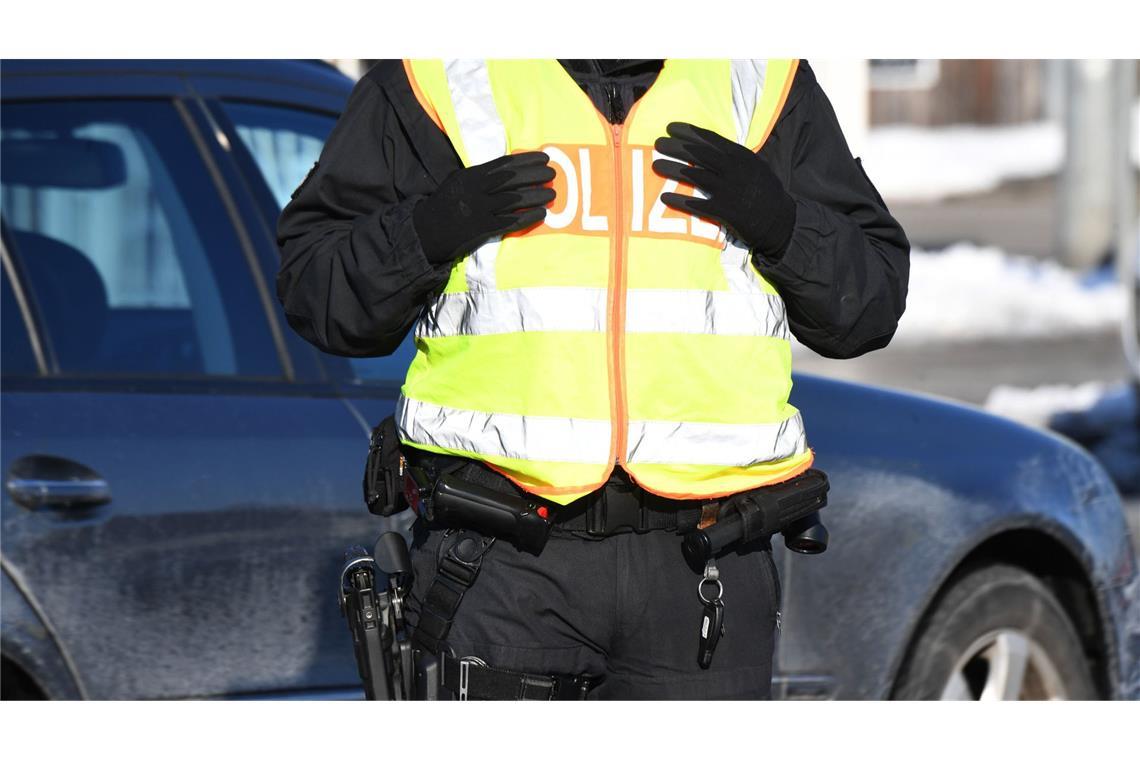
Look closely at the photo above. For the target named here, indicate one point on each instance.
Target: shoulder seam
(802, 84)
(384, 72)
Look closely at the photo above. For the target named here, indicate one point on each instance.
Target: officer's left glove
(744, 194)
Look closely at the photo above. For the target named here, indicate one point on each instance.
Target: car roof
(313, 83)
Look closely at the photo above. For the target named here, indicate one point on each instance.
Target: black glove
(744, 194)
(480, 202)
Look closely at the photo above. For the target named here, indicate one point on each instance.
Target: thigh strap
(457, 571)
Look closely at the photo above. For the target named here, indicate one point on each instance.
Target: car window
(125, 247)
(18, 357)
(285, 143)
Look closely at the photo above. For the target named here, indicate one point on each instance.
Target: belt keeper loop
(464, 675)
(596, 515)
(710, 510)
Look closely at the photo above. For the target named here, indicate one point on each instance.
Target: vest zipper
(617, 303)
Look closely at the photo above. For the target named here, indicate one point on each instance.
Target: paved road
(1020, 216)
(968, 371)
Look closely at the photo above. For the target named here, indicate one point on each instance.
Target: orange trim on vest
(721, 494)
(779, 105)
(423, 100)
(556, 490)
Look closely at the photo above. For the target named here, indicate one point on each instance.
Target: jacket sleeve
(843, 275)
(353, 276)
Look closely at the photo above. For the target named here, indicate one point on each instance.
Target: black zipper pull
(617, 113)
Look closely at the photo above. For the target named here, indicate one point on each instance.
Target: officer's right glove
(742, 193)
(480, 202)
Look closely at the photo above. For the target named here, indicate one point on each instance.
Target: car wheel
(15, 683)
(998, 633)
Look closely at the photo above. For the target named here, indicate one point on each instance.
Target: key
(712, 621)
(712, 628)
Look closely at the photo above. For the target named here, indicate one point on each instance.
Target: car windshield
(285, 144)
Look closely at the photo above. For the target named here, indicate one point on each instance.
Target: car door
(177, 497)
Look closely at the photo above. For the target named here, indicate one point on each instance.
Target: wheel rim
(1003, 665)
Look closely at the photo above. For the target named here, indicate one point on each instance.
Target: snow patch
(967, 292)
(928, 163)
(1035, 406)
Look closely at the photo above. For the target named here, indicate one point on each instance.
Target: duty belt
(620, 506)
(624, 507)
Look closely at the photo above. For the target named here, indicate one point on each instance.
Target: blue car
(182, 472)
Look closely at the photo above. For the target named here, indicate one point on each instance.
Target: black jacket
(353, 277)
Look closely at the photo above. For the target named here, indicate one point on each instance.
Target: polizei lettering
(586, 187)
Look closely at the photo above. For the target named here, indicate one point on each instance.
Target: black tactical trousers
(623, 610)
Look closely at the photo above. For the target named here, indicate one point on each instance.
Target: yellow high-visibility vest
(618, 332)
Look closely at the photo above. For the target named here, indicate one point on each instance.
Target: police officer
(602, 261)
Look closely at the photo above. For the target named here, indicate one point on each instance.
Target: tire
(15, 683)
(992, 624)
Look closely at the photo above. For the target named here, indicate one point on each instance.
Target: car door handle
(48, 481)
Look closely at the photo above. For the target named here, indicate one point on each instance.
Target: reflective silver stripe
(484, 138)
(481, 129)
(566, 439)
(714, 443)
(479, 267)
(543, 309)
(747, 84)
(707, 312)
(736, 263)
(515, 436)
(569, 309)
(748, 76)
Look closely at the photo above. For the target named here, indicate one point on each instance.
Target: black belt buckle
(618, 506)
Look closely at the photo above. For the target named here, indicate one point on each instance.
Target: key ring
(711, 575)
(701, 590)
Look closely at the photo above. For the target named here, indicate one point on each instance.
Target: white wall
(846, 82)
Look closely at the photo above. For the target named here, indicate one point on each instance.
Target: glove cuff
(774, 239)
(434, 240)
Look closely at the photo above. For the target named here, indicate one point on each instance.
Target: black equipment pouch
(769, 510)
(443, 499)
(383, 471)
(457, 503)
(789, 507)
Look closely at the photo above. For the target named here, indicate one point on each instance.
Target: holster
(372, 591)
